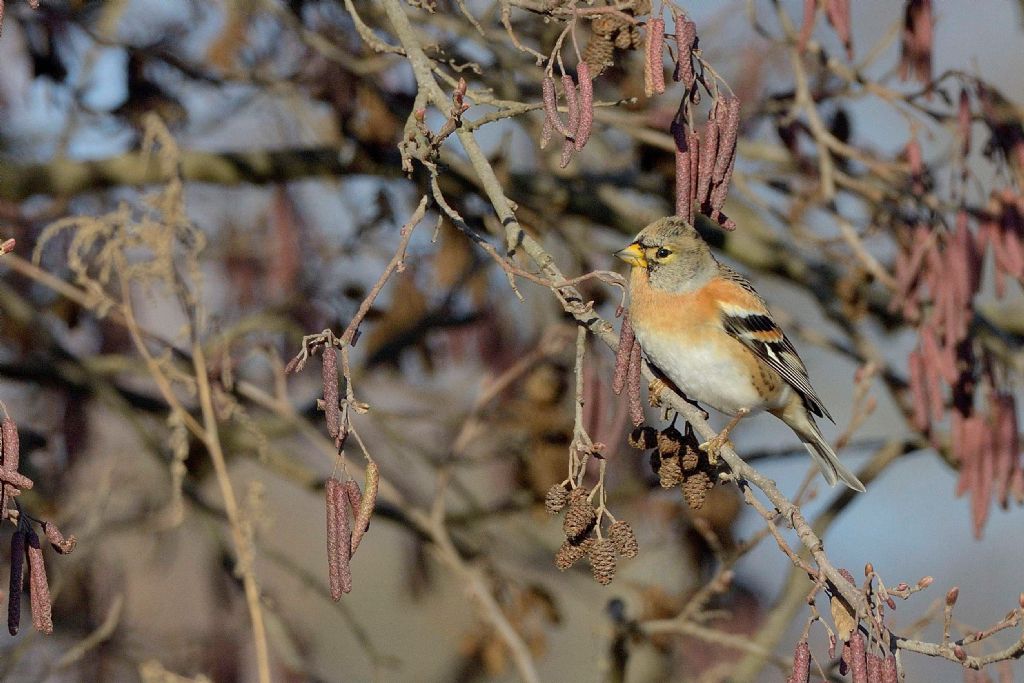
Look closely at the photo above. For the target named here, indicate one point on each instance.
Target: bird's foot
(713, 447)
(654, 390)
(715, 444)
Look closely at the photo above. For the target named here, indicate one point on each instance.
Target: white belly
(706, 374)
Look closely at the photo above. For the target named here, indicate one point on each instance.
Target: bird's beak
(633, 255)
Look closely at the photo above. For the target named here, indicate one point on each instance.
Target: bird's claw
(714, 446)
(654, 390)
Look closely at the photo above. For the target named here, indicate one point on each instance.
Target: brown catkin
(801, 663)
(628, 38)
(371, 482)
(695, 489)
(62, 545)
(580, 516)
(599, 53)
(602, 561)
(17, 581)
(620, 533)
(38, 588)
(339, 533)
(670, 473)
(556, 499)
(330, 382)
(570, 553)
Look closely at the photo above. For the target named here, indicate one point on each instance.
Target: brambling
(705, 328)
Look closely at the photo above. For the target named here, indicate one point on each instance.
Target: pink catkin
(636, 408)
(38, 587)
(918, 391)
(933, 381)
(586, 105)
(1007, 443)
(706, 165)
(10, 461)
(551, 107)
(11, 447)
(981, 496)
(15, 479)
(874, 665)
(353, 494)
(807, 27)
(916, 49)
(547, 129)
(62, 545)
(654, 69)
(935, 357)
(572, 103)
(889, 674)
(622, 356)
(858, 663)
(684, 206)
(339, 534)
(693, 142)
(728, 118)
(726, 157)
(801, 663)
(330, 389)
(838, 14)
(686, 36)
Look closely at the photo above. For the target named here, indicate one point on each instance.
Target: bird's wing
(746, 317)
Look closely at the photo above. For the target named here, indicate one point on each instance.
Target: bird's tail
(827, 460)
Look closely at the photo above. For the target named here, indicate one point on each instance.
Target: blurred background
(225, 178)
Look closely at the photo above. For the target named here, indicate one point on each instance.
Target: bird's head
(673, 254)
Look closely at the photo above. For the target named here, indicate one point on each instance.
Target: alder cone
(556, 499)
(695, 489)
(602, 561)
(622, 537)
(579, 518)
(570, 553)
(670, 473)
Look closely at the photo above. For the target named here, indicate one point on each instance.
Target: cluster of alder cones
(583, 535)
(677, 459)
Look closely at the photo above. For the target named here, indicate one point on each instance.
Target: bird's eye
(663, 253)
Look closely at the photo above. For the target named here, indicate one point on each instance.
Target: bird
(705, 328)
